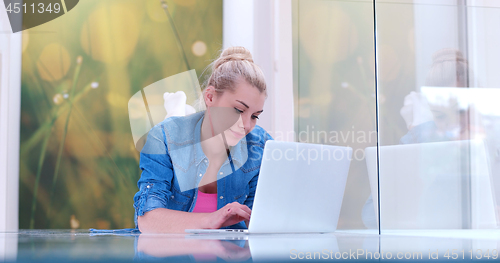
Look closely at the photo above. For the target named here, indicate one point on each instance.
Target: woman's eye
(238, 111)
(254, 117)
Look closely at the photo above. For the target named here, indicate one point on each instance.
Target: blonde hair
(233, 65)
(449, 69)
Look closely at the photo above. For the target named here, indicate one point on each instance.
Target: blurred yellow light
(117, 100)
(155, 11)
(185, 2)
(74, 223)
(111, 32)
(54, 62)
(26, 39)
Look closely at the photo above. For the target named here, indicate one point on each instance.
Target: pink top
(205, 203)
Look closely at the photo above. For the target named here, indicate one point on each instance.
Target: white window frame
(10, 112)
(265, 28)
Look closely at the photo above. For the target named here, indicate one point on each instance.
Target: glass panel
(483, 40)
(335, 91)
(438, 120)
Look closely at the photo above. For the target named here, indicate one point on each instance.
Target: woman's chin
(232, 140)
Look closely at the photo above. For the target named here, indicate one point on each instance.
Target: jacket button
(148, 186)
(172, 197)
(221, 197)
(201, 175)
(221, 173)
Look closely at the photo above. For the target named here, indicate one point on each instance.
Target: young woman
(201, 170)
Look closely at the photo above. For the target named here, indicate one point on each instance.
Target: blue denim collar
(183, 135)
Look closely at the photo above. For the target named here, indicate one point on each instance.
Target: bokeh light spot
(58, 99)
(199, 48)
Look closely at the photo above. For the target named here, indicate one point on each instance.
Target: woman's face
(235, 113)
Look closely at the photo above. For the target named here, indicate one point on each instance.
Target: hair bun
(233, 54)
(449, 69)
(448, 54)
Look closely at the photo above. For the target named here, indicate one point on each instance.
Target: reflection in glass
(199, 248)
(335, 87)
(65, 245)
(437, 185)
(444, 172)
(237, 247)
(8, 246)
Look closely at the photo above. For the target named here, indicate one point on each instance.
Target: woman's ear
(209, 96)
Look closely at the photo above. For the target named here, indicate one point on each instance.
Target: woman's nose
(246, 122)
(239, 123)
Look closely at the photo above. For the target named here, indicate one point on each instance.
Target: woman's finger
(246, 209)
(232, 211)
(243, 213)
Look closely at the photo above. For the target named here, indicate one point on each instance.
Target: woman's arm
(155, 221)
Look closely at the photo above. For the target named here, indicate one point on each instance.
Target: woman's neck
(213, 146)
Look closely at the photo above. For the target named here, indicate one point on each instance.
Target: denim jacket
(173, 162)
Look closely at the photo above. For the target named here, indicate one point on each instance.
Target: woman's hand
(230, 214)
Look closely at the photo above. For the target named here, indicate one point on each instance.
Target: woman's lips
(237, 134)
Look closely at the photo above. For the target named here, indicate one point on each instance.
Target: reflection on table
(67, 245)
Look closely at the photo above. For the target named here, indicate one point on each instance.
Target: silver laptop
(300, 189)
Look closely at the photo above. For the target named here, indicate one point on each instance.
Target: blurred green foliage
(78, 164)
